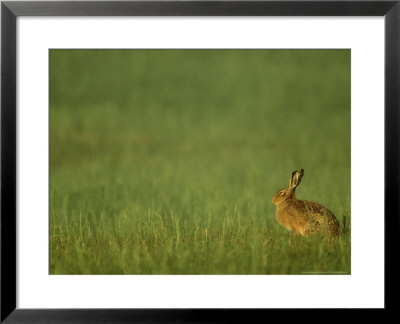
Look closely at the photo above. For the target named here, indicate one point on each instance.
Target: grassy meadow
(166, 161)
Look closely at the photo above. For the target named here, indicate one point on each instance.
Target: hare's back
(320, 216)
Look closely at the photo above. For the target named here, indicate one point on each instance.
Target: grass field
(166, 161)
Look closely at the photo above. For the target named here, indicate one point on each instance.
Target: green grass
(166, 161)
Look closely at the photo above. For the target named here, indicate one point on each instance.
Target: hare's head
(288, 193)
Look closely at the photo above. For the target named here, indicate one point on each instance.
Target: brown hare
(302, 216)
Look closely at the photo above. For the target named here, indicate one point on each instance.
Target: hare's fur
(302, 216)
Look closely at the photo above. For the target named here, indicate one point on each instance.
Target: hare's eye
(282, 193)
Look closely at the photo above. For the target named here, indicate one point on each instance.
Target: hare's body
(306, 217)
(302, 216)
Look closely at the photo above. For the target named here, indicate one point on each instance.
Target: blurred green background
(166, 161)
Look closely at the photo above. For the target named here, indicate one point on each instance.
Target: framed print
(173, 161)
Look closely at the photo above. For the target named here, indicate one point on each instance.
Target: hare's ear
(296, 178)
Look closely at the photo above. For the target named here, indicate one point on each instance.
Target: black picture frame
(10, 10)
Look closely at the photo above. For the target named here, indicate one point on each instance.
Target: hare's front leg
(295, 232)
